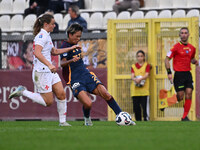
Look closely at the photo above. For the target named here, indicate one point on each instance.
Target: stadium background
(98, 53)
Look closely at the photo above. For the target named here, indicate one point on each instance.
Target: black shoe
(185, 119)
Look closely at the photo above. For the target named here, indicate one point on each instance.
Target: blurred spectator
(76, 18)
(56, 5)
(37, 7)
(56, 29)
(27, 55)
(25, 60)
(68, 3)
(126, 4)
(81, 4)
(59, 5)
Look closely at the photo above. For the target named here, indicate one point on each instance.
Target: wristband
(169, 71)
(195, 62)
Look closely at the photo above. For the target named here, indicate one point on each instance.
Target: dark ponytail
(46, 18)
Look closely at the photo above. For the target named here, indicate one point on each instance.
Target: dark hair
(186, 28)
(75, 9)
(73, 28)
(140, 51)
(46, 18)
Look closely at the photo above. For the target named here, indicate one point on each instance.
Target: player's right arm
(64, 62)
(193, 60)
(41, 58)
(170, 54)
(167, 66)
(133, 76)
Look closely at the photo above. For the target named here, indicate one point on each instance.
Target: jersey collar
(183, 44)
(48, 33)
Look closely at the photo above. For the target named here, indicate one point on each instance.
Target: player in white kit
(44, 75)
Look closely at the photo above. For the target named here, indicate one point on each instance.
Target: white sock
(62, 109)
(35, 97)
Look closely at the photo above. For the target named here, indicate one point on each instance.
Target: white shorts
(43, 81)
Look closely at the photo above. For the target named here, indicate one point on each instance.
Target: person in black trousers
(140, 86)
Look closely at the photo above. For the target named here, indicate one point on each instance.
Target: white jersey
(43, 39)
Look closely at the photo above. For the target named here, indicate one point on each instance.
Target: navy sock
(115, 107)
(86, 112)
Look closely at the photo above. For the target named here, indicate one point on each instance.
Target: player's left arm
(193, 60)
(55, 51)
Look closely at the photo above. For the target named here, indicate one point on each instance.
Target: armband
(169, 71)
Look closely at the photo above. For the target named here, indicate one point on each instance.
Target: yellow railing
(155, 37)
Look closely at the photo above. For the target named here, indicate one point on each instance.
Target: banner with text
(23, 108)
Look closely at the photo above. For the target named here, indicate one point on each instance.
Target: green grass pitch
(47, 135)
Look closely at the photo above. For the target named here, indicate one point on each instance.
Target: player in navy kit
(81, 79)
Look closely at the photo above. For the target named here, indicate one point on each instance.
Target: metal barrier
(155, 37)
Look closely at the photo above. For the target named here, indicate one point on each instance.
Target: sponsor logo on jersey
(41, 35)
(46, 87)
(75, 85)
(65, 54)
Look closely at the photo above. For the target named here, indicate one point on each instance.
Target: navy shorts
(86, 82)
(183, 80)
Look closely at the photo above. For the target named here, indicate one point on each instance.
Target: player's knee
(180, 97)
(107, 96)
(61, 95)
(48, 100)
(88, 105)
(188, 96)
(49, 103)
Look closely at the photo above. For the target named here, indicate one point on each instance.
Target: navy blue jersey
(76, 69)
(79, 77)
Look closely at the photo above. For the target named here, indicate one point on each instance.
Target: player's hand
(138, 80)
(76, 47)
(197, 63)
(75, 59)
(52, 68)
(170, 78)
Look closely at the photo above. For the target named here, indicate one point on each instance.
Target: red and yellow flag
(167, 98)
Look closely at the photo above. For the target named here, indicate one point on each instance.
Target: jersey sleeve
(193, 54)
(132, 70)
(148, 68)
(171, 53)
(41, 40)
(64, 55)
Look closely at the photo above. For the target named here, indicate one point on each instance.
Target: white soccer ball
(141, 83)
(123, 119)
